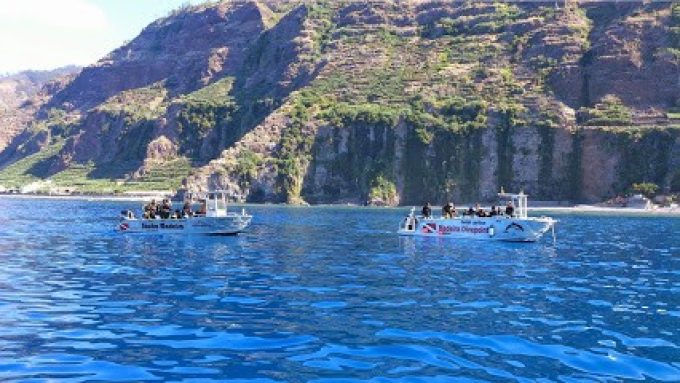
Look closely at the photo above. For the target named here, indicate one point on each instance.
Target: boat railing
(519, 203)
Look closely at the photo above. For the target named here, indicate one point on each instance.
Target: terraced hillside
(387, 102)
(452, 101)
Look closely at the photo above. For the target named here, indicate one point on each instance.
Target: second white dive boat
(518, 227)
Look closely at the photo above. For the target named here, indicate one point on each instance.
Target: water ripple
(332, 295)
(606, 362)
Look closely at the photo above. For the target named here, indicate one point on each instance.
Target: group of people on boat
(164, 210)
(449, 211)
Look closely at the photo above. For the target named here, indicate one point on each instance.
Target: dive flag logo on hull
(429, 228)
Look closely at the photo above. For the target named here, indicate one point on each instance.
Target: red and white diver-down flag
(429, 228)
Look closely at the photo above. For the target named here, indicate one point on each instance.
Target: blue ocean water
(333, 295)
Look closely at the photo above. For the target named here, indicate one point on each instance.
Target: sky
(47, 34)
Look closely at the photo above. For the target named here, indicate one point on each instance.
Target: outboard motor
(405, 225)
(410, 222)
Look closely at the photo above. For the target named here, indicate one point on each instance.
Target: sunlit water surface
(332, 294)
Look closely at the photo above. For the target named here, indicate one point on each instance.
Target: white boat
(213, 219)
(516, 228)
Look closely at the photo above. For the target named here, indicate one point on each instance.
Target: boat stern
(409, 224)
(525, 230)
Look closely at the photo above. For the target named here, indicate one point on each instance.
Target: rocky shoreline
(544, 206)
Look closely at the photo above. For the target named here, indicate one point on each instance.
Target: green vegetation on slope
(146, 103)
(217, 93)
(383, 190)
(295, 146)
(22, 172)
(377, 96)
(78, 177)
(609, 112)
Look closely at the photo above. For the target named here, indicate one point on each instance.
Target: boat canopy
(519, 202)
(215, 202)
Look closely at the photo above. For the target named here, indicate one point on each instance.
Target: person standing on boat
(509, 209)
(493, 211)
(166, 208)
(152, 209)
(427, 210)
(447, 210)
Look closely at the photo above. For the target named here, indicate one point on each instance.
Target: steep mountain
(389, 102)
(22, 93)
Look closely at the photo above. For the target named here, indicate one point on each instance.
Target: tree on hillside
(648, 189)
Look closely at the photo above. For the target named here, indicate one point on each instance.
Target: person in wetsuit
(447, 210)
(479, 211)
(150, 210)
(427, 210)
(166, 208)
(509, 209)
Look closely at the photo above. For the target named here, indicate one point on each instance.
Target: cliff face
(635, 43)
(549, 163)
(380, 101)
(449, 101)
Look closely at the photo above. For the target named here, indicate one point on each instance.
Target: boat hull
(487, 228)
(228, 225)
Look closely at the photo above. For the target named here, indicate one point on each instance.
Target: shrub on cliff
(649, 189)
(609, 112)
(383, 192)
(247, 163)
(344, 114)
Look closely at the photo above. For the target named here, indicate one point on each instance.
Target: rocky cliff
(21, 95)
(388, 102)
